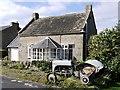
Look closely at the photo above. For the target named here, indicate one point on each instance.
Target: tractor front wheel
(84, 79)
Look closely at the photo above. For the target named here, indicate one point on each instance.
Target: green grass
(35, 76)
(114, 86)
(40, 77)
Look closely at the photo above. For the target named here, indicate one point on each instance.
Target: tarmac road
(17, 83)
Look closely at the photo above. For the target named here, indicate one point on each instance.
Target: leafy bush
(21, 66)
(5, 58)
(79, 62)
(5, 63)
(3, 53)
(16, 65)
(43, 65)
(34, 63)
(72, 83)
(105, 47)
(102, 81)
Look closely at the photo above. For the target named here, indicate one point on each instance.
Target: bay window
(49, 50)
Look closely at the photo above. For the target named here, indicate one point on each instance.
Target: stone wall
(76, 39)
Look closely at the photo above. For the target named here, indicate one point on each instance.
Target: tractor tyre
(51, 77)
(84, 79)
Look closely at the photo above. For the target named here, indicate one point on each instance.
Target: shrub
(5, 63)
(5, 58)
(102, 82)
(34, 63)
(21, 66)
(105, 47)
(3, 53)
(78, 62)
(16, 65)
(43, 65)
(72, 83)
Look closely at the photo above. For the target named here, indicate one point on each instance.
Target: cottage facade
(13, 51)
(57, 38)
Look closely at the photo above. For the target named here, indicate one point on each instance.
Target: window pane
(58, 53)
(70, 54)
(40, 50)
(38, 54)
(63, 54)
(43, 50)
(53, 53)
(66, 54)
(70, 46)
(34, 53)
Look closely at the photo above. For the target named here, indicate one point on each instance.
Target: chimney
(35, 16)
(88, 8)
(14, 24)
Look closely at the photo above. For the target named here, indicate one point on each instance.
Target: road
(17, 83)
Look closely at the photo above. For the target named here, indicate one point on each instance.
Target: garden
(37, 71)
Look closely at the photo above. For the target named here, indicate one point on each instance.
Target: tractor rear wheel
(51, 77)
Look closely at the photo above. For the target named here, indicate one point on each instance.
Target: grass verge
(114, 86)
(35, 76)
(40, 77)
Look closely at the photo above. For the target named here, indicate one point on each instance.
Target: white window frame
(29, 51)
(65, 50)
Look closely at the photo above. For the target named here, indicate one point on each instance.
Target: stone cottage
(7, 34)
(62, 37)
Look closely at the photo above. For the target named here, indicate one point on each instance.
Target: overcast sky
(105, 12)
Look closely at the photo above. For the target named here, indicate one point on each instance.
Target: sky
(105, 11)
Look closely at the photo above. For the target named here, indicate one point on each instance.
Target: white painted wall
(14, 54)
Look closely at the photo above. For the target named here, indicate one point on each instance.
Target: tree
(105, 47)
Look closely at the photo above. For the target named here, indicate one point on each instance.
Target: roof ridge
(69, 14)
(4, 27)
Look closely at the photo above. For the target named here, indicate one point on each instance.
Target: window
(29, 50)
(34, 53)
(46, 54)
(67, 51)
(64, 51)
(71, 46)
(39, 54)
(58, 53)
(70, 56)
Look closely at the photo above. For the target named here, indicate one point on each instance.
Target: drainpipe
(86, 39)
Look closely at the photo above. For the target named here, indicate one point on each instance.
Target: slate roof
(14, 43)
(65, 24)
(47, 43)
(4, 27)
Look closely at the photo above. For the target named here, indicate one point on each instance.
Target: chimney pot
(35, 16)
(88, 8)
(14, 24)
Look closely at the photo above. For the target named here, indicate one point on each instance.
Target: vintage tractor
(85, 72)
